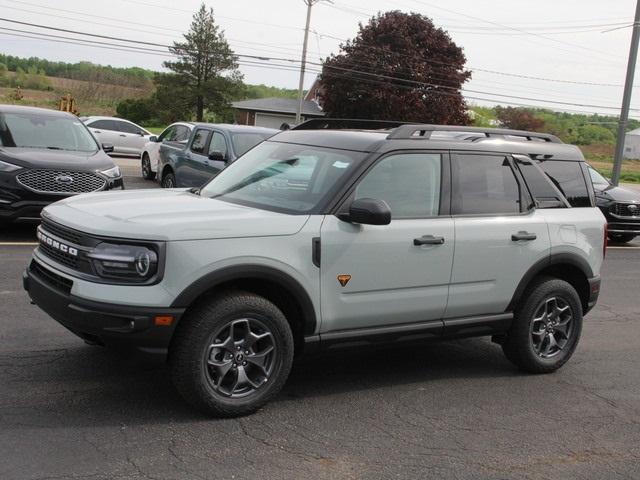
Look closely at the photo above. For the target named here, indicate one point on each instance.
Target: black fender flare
(572, 259)
(253, 272)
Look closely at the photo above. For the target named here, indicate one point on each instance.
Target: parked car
(46, 155)
(399, 236)
(176, 133)
(210, 148)
(620, 206)
(126, 137)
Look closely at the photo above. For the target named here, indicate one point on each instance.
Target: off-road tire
(190, 350)
(518, 345)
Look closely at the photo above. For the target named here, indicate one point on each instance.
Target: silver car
(125, 136)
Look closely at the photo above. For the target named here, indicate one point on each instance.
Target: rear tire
(232, 354)
(168, 180)
(145, 164)
(546, 326)
(621, 237)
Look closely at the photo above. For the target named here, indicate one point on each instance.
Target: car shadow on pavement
(89, 386)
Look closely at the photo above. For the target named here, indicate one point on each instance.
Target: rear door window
(200, 139)
(104, 125)
(569, 179)
(484, 184)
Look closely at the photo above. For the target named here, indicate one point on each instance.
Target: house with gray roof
(273, 112)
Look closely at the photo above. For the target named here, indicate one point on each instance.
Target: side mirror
(107, 147)
(153, 139)
(141, 133)
(368, 211)
(217, 155)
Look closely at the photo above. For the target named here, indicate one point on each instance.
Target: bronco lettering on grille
(47, 240)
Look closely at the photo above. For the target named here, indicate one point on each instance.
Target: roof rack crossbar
(347, 123)
(423, 132)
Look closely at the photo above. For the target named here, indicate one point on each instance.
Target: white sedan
(125, 136)
(177, 133)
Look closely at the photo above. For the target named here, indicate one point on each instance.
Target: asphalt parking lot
(448, 410)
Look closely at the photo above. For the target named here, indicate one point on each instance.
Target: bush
(138, 110)
(590, 134)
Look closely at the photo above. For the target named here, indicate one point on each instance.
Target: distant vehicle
(210, 148)
(176, 133)
(45, 156)
(126, 137)
(620, 206)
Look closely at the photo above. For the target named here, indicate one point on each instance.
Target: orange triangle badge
(344, 279)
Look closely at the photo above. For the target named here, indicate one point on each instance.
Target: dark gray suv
(210, 148)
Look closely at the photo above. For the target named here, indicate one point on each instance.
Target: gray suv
(323, 237)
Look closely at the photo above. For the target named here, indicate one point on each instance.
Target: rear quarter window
(569, 179)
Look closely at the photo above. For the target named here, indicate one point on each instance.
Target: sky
(550, 53)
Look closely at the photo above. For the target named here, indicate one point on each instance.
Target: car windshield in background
(596, 178)
(35, 130)
(242, 142)
(283, 177)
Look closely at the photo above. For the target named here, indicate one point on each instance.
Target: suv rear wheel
(231, 355)
(546, 326)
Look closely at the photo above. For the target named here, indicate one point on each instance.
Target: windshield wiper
(194, 190)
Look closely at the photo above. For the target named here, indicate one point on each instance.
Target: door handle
(522, 235)
(97, 131)
(122, 135)
(428, 240)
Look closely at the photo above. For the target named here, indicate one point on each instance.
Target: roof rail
(347, 123)
(424, 132)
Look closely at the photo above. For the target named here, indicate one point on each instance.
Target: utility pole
(626, 98)
(310, 3)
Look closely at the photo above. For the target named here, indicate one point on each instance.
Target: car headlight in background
(8, 167)
(112, 172)
(135, 263)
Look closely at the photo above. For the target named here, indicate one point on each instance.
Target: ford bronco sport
(324, 236)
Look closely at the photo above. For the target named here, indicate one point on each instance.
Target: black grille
(625, 209)
(62, 232)
(53, 279)
(60, 257)
(56, 181)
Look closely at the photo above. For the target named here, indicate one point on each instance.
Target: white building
(632, 144)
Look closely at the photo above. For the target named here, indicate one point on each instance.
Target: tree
(590, 134)
(519, 119)
(399, 66)
(206, 75)
(137, 110)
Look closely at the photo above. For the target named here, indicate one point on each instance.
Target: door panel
(392, 280)
(488, 264)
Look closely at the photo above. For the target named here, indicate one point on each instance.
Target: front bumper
(121, 326)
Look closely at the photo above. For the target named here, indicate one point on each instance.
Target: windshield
(283, 177)
(596, 178)
(243, 142)
(37, 130)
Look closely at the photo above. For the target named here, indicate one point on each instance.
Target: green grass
(155, 130)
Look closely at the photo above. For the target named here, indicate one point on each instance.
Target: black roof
(33, 110)
(279, 105)
(436, 137)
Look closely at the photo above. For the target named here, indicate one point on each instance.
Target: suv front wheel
(232, 354)
(546, 326)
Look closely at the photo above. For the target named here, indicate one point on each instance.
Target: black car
(620, 206)
(46, 155)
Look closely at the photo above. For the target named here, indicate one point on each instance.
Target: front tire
(546, 326)
(169, 180)
(232, 354)
(147, 173)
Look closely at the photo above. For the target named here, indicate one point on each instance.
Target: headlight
(112, 172)
(135, 263)
(8, 167)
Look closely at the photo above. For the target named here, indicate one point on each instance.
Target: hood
(56, 159)
(174, 214)
(617, 194)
